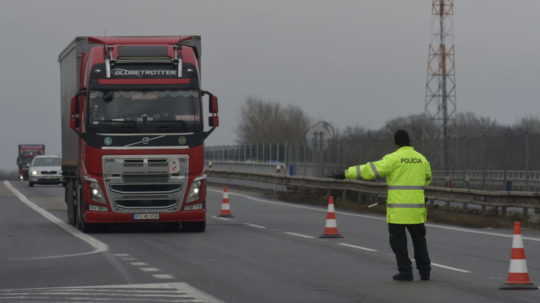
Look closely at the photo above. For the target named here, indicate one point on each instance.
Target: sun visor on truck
(144, 76)
(142, 51)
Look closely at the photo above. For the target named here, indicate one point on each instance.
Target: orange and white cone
(225, 205)
(330, 226)
(518, 276)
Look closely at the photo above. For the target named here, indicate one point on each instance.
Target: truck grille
(145, 203)
(145, 188)
(146, 178)
(146, 183)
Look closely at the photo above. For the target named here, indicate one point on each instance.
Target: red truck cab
(133, 131)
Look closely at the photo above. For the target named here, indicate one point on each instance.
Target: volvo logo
(145, 140)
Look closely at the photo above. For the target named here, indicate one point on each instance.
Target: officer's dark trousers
(398, 242)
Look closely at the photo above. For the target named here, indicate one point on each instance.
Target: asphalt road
(269, 252)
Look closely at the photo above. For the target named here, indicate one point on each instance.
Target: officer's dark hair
(401, 138)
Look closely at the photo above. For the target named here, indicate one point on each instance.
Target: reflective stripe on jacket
(406, 172)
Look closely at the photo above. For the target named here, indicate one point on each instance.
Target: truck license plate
(146, 216)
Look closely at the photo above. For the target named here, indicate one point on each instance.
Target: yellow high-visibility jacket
(406, 172)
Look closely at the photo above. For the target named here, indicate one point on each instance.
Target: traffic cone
(225, 206)
(518, 277)
(330, 227)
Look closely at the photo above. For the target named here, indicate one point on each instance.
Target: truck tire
(194, 227)
(79, 222)
(31, 184)
(70, 208)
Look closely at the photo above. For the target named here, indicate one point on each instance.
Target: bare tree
(469, 124)
(420, 127)
(529, 124)
(270, 122)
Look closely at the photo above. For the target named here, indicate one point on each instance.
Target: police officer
(406, 172)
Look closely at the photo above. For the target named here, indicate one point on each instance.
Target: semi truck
(25, 155)
(133, 131)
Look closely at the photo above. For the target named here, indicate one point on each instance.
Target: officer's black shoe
(424, 275)
(403, 276)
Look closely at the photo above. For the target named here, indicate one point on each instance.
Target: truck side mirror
(74, 117)
(213, 107)
(213, 121)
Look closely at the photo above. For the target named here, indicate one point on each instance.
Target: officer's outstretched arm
(352, 173)
(364, 171)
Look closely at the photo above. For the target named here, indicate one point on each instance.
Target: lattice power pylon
(440, 99)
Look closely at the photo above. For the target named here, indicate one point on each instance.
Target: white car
(45, 170)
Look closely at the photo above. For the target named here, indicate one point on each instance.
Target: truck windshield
(46, 162)
(25, 161)
(177, 110)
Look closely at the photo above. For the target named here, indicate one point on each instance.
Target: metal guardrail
(508, 180)
(500, 200)
(490, 179)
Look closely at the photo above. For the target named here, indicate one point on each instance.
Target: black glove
(339, 176)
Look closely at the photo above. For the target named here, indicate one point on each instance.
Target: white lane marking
(432, 264)
(162, 276)
(357, 247)
(221, 218)
(447, 267)
(99, 247)
(299, 235)
(486, 233)
(255, 226)
(139, 264)
(450, 268)
(95, 297)
(121, 255)
(129, 292)
(149, 269)
(345, 213)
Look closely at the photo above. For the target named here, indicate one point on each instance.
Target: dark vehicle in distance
(26, 154)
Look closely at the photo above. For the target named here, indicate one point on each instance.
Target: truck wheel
(31, 184)
(194, 227)
(71, 214)
(69, 204)
(80, 224)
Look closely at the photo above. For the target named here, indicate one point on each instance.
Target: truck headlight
(96, 193)
(34, 173)
(194, 191)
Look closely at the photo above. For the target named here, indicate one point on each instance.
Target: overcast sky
(347, 62)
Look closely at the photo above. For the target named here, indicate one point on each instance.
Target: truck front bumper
(114, 217)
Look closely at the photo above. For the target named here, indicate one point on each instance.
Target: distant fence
(479, 173)
(512, 151)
